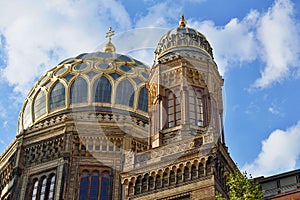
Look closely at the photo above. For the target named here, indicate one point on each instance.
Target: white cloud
(234, 42)
(271, 37)
(40, 34)
(279, 38)
(159, 15)
(274, 110)
(279, 152)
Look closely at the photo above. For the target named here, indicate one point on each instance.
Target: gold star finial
(110, 33)
(182, 22)
(109, 47)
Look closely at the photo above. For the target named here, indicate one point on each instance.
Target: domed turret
(103, 81)
(182, 40)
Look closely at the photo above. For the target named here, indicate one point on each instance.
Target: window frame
(196, 106)
(173, 108)
(41, 187)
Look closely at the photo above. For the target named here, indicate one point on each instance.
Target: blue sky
(256, 46)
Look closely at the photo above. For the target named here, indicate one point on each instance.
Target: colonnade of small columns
(169, 176)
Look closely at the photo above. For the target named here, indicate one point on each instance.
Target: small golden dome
(109, 47)
(182, 22)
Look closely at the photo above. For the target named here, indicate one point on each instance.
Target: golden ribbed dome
(101, 81)
(182, 39)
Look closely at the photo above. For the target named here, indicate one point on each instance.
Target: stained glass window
(79, 91)
(84, 186)
(143, 99)
(105, 186)
(102, 90)
(94, 189)
(57, 96)
(125, 93)
(39, 104)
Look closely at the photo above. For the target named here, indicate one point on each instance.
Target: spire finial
(110, 33)
(109, 47)
(182, 22)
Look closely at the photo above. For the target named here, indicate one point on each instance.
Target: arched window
(194, 172)
(79, 91)
(130, 188)
(196, 106)
(94, 189)
(209, 166)
(179, 176)
(84, 186)
(27, 117)
(200, 170)
(105, 186)
(186, 174)
(172, 177)
(138, 185)
(145, 183)
(102, 90)
(174, 109)
(43, 188)
(158, 181)
(151, 183)
(143, 99)
(125, 93)
(35, 190)
(57, 96)
(51, 188)
(39, 104)
(165, 180)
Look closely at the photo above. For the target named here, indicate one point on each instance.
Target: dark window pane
(27, 119)
(125, 68)
(51, 188)
(143, 100)
(57, 96)
(34, 190)
(102, 90)
(94, 190)
(79, 91)
(125, 93)
(43, 189)
(84, 186)
(40, 104)
(105, 186)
